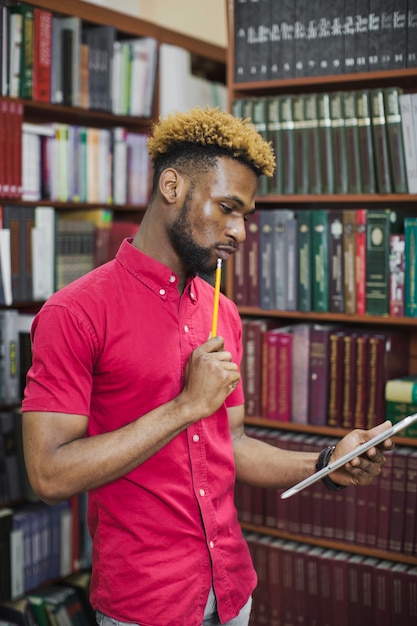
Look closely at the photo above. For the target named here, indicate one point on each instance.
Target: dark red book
(251, 370)
(384, 503)
(400, 611)
(362, 374)
(409, 536)
(349, 377)
(15, 148)
(398, 485)
(275, 582)
(276, 374)
(239, 295)
(336, 378)
(388, 358)
(313, 589)
(319, 372)
(42, 42)
(360, 260)
(261, 599)
(340, 594)
(381, 582)
(354, 582)
(372, 521)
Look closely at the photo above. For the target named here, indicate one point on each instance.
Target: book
(284, 259)
(409, 137)
(288, 143)
(337, 261)
(251, 365)
(410, 275)
(43, 253)
(326, 144)
(350, 114)
(276, 374)
(15, 48)
(26, 52)
(378, 229)
(9, 361)
(320, 260)
(313, 143)
(252, 259)
(300, 373)
(336, 380)
(365, 138)
(319, 363)
(362, 382)
(9, 434)
(275, 182)
(403, 389)
(396, 274)
(302, 155)
(380, 142)
(266, 260)
(338, 132)
(360, 260)
(395, 139)
(42, 44)
(349, 260)
(398, 483)
(304, 244)
(349, 377)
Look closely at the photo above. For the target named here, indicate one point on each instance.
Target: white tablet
(310, 480)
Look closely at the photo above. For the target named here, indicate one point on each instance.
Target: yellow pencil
(216, 297)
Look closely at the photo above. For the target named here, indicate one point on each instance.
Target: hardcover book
(337, 266)
(304, 244)
(395, 139)
(410, 288)
(366, 145)
(349, 259)
(380, 142)
(319, 362)
(320, 260)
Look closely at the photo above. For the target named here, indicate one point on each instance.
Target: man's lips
(223, 252)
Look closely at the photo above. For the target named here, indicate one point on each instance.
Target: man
(130, 399)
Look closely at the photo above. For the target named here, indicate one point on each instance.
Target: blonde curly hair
(205, 127)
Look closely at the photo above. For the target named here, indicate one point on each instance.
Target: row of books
(51, 58)
(51, 248)
(322, 374)
(68, 163)
(64, 603)
(341, 142)
(278, 40)
(303, 584)
(380, 516)
(354, 261)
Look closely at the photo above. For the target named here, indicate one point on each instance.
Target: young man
(130, 399)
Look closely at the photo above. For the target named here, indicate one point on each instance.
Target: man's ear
(170, 185)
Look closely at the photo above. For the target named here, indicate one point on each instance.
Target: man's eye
(225, 208)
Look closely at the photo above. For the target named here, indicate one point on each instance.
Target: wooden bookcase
(208, 60)
(406, 79)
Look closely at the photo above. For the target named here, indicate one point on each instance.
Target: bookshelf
(209, 61)
(265, 536)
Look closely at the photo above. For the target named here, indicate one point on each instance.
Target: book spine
(336, 261)
(259, 119)
(319, 374)
(267, 274)
(380, 140)
(362, 373)
(26, 54)
(349, 378)
(401, 390)
(334, 416)
(395, 140)
(396, 274)
(360, 260)
(304, 242)
(409, 135)
(349, 257)
(288, 143)
(377, 261)
(252, 260)
(326, 145)
(352, 142)
(275, 182)
(365, 139)
(313, 142)
(320, 260)
(410, 287)
(302, 182)
(339, 142)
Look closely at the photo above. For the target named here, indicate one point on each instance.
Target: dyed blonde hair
(217, 130)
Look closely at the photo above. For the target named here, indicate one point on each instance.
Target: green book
(366, 148)
(304, 261)
(410, 278)
(396, 411)
(378, 226)
(275, 138)
(339, 143)
(26, 52)
(320, 260)
(302, 157)
(313, 142)
(354, 181)
(380, 142)
(288, 143)
(395, 139)
(259, 119)
(326, 145)
(402, 389)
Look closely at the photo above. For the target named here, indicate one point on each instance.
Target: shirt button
(196, 438)
(186, 329)
(202, 492)
(211, 544)
(162, 292)
(172, 279)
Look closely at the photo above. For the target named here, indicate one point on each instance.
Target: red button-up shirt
(113, 346)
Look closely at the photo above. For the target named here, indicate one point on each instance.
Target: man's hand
(210, 376)
(361, 470)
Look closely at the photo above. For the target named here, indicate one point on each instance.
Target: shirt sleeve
(63, 355)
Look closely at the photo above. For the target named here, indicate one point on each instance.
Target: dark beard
(198, 259)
